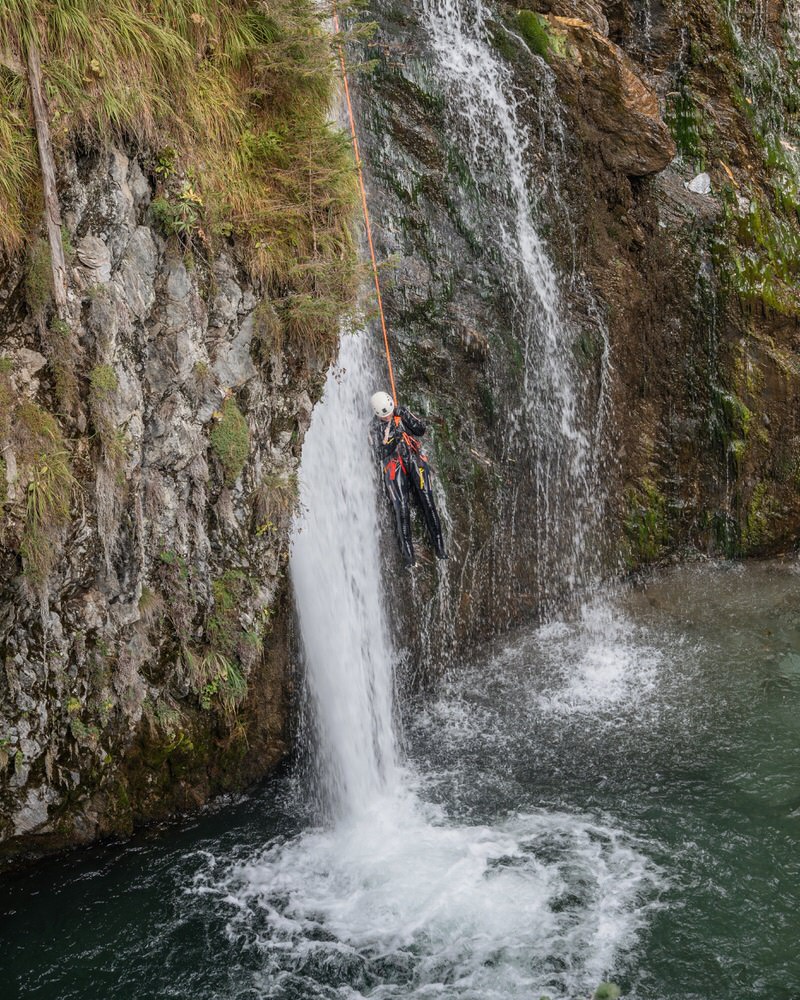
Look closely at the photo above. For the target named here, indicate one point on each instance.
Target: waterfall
(335, 568)
(335, 556)
(549, 428)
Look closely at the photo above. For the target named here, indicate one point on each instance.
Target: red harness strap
(392, 466)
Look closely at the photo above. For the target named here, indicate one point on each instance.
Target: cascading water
(550, 431)
(338, 593)
(395, 898)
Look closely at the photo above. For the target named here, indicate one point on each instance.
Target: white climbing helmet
(382, 405)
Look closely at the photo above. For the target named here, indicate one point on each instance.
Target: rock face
(615, 108)
(145, 662)
(624, 104)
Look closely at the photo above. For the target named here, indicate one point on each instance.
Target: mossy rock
(535, 30)
(646, 525)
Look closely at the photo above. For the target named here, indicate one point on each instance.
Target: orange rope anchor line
(364, 203)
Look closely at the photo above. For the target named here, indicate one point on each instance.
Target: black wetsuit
(402, 463)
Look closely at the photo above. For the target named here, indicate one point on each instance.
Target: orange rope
(364, 204)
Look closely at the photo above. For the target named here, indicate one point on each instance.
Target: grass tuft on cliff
(230, 439)
(50, 489)
(230, 100)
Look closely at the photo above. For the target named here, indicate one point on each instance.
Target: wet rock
(584, 10)
(617, 109)
(34, 811)
(476, 344)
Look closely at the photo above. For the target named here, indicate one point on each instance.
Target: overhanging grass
(229, 99)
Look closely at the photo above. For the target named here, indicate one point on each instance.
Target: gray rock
(95, 257)
(34, 811)
(173, 356)
(136, 276)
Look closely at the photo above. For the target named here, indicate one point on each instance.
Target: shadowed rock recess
(151, 438)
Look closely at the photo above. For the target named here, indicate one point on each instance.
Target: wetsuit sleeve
(383, 449)
(411, 422)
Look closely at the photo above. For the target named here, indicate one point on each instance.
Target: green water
(670, 718)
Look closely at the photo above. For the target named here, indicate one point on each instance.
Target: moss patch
(646, 522)
(43, 453)
(535, 30)
(758, 251)
(688, 126)
(757, 529)
(731, 420)
(38, 277)
(230, 440)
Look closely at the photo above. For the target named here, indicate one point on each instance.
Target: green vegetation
(761, 512)
(588, 348)
(170, 558)
(103, 383)
(204, 380)
(731, 420)
(230, 440)
(38, 277)
(7, 396)
(218, 669)
(66, 244)
(503, 42)
(222, 681)
(758, 245)
(18, 161)
(688, 126)
(536, 32)
(646, 522)
(267, 330)
(180, 216)
(41, 449)
(230, 100)
(151, 604)
(58, 340)
(274, 501)
(223, 627)
(167, 717)
(758, 253)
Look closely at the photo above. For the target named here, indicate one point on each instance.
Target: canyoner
(404, 468)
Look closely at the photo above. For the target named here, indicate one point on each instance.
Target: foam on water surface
(401, 902)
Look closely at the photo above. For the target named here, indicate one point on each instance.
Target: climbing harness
(364, 207)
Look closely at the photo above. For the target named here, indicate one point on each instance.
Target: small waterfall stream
(550, 428)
